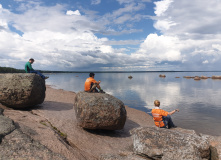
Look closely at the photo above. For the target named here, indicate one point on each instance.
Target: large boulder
(170, 144)
(21, 90)
(99, 111)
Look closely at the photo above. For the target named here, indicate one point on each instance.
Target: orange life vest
(157, 116)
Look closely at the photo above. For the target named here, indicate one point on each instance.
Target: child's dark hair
(91, 74)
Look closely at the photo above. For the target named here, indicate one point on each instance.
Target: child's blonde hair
(157, 103)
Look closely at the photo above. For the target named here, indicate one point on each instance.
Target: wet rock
(196, 78)
(216, 77)
(204, 77)
(99, 111)
(21, 90)
(162, 75)
(166, 144)
(188, 77)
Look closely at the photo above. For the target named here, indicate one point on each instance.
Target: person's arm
(94, 81)
(172, 112)
(30, 67)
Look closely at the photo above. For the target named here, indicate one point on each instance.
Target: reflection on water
(199, 101)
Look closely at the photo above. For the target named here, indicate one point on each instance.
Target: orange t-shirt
(87, 85)
(157, 116)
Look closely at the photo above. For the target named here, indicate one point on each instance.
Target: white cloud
(217, 47)
(164, 25)
(190, 34)
(125, 1)
(57, 41)
(61, 39)
(162, 6)
(198, 17)
(95, 2)
(69, 12)
(205, 62)
(160, 48)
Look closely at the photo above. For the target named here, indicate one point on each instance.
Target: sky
(111, 35)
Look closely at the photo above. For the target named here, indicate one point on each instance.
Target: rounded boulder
(99, 111)
(21, 90)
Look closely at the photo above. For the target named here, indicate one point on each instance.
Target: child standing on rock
(162, 118)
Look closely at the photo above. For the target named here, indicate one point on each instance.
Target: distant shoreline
(119, 71)
(13, 70)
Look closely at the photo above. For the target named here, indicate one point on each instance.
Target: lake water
(199, 101)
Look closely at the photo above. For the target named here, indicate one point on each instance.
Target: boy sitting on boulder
(29, 69)
(91, 85)
(162, 118)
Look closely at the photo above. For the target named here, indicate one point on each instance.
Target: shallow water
(199, 101)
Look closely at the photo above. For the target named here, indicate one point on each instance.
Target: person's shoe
(174, 126)
(101, 91)
(46, 77)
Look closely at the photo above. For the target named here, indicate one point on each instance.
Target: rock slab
(166, 144)
(99, 111)
(6, 125)
(14, 144)
(21, 90)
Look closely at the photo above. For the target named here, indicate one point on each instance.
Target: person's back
(162, 118)
(91, 85)
(158, 116)
(28, 67)
(88, 82)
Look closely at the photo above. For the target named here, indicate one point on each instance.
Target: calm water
(199, 101)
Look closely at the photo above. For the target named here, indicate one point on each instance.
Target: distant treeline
(11, 70)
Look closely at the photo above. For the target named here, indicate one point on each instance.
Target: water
(199, 101)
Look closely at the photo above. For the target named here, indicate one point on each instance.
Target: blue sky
(111, 35)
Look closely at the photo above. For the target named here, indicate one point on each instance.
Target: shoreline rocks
(99, 111)
(21, 90)
(38, 131)
(174, 144)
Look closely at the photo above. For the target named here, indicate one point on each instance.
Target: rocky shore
(50, 131)
(52, 128)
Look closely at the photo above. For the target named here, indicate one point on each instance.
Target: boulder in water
(204, 77)
(162, 75)
(196, 78)
(216, 77)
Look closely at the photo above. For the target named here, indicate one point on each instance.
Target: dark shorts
(95, 89)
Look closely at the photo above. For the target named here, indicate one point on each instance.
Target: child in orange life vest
(162, 118)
